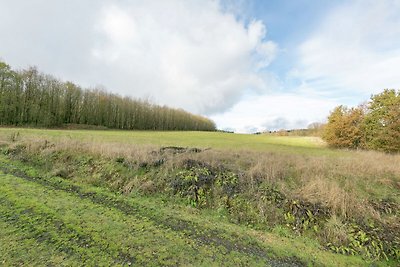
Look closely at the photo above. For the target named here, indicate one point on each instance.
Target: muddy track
(71, 239)
(191, 230)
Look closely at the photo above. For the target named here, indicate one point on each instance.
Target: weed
(14, 136)
(312, 192)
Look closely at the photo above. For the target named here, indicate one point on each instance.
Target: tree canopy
(373, 126)
(28, 97)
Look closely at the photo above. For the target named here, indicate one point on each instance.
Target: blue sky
(249, 65)
(355, 31)
(288, 22)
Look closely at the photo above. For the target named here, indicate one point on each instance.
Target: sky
(254, 65)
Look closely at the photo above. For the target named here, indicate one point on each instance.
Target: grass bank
(298, 201)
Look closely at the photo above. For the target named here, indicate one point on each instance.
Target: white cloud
(190, 54)
(205, 55)
(274, 112)
(356, 48)
(353, 52)
(183, 53)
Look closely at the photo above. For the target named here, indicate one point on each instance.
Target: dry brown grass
(353, 187)
(335, 231)
(346, 185)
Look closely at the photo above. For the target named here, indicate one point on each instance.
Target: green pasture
(215, 140)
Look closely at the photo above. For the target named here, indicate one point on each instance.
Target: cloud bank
(211, 57)
(274, 112)
(185, 53)
(189, 54)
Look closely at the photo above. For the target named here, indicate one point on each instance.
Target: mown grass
(292, 196)
(94, 234)
(19, 248)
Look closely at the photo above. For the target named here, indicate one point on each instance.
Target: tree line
(31, 98)
(374, 125)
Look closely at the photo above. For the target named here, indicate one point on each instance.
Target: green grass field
(292, 144)
(83, 198)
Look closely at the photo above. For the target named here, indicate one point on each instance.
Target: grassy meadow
(215, 140)
(102, 197)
